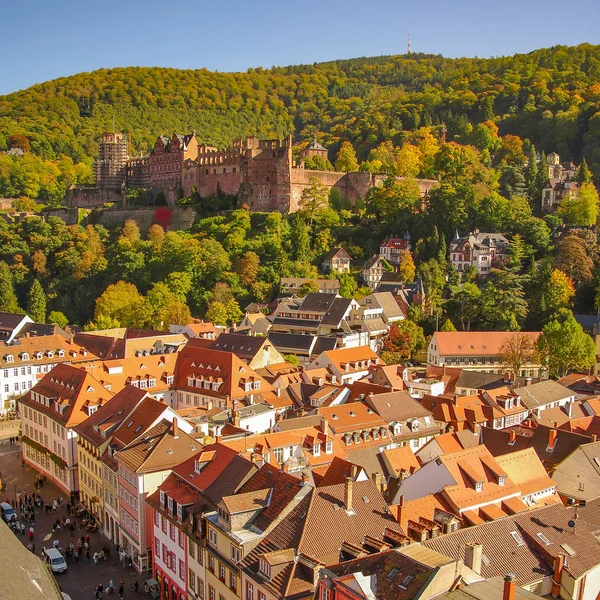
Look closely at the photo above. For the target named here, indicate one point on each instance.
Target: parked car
(8, 512)
(56, 560)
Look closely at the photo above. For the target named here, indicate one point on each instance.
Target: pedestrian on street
(121, 589)
(87, 539)
(100, 590)
(96, 558)
(87, 553)
(111, 587)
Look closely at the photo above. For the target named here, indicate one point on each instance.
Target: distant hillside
(551, 96)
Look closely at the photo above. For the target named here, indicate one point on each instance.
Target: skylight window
(517, 537)
(544, 539)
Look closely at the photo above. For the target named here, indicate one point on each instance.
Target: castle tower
(111, 167)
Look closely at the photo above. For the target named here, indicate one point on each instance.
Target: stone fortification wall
(171, 219)
(92, 196)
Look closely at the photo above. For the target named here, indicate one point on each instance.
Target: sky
(64, 37)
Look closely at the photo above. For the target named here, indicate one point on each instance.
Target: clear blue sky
(45, 40)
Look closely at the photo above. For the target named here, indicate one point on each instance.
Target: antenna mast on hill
(408, 48)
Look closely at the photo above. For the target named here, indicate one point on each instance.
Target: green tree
(292, 359)
(119, 303)
(565, 347)
(313, 199)
(447, 325)
(310, 287)
(36, 302)
(583, 174)
(8, 298)
(464, 303)
(582, 208)
(346, 159)
(558, 292)
(227, 313)
(504, 306)
(348, 285)
(58, 318)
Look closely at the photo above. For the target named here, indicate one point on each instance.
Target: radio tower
(408, 48)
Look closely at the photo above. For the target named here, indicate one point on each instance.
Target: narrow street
(84, 576)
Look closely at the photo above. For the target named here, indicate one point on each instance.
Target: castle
(262, 174)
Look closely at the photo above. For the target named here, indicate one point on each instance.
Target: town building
(293, 285)
(346, 364)
(25, 362)
(336, 260)
(480, 250)
(11, 324)
(557, 190)
(143, 465)
(63, 398)
(258, 352)
(479, 351)
(373, 271)
(392, 247)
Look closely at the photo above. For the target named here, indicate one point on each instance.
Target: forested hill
(550, 96)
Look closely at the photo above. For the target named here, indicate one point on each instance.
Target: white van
(56, 560)
(8, 512)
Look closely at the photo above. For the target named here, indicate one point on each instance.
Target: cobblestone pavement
(82, 577)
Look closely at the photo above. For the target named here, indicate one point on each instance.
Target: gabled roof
(146, 413)
(317, 302)
(503, 553)
(578, 475)
(372, 262)
(99, 427)
(69, 388)
(545, 392)
(336, 253)
(10, 321)
(158, 449)
(353, 416)
(396, 407)
(245, 347)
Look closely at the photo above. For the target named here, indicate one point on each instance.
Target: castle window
(207, 171)
(268, 179)
(234, 170)
(224, 170)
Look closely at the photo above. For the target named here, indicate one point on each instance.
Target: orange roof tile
(479, 343)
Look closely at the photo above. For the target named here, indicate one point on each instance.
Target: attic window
(544, 539)
(392, 574)
(479, 486)
(517, 538)
(501, 479)
(50, 354)
(406, 581)
(9, 358)
(265, 568)
(24, 356)
(61, 353)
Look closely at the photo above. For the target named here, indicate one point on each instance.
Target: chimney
(528, 380)
(401, 501)
(377, 479)
(473, 554)
(236, 418)
(251, 399)
(510, 587)
(217, 439)
(569, 409)
(512, 438)
(594, 437)
(348, 494)
(507, 377)
(552, 434)
(559, 563)
(175, 428)
(353, 472)
(278, 392)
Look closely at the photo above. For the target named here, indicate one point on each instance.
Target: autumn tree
(574, 260)
(406, 267)
(346, 159)
(18, 140)
(36, 302)
(404, 339)
(248, 268)
(518, 349)
(57, 318)
(558, 292)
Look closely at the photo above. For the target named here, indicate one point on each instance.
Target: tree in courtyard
(36, 302)
(583, 174)
(565, 347)
(346, 159)
(517, 349)
(8, 298)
